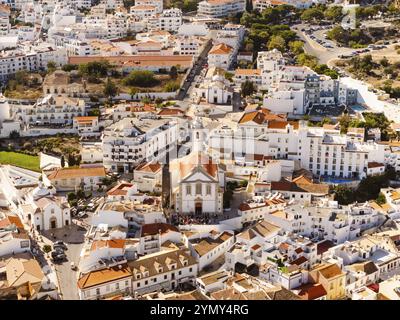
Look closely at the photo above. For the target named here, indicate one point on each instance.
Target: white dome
(40, 191)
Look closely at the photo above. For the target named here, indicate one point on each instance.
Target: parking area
(72, 237)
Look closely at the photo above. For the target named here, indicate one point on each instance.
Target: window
(98, 291)
(208, 189)
(188, 190)
(198, 188)
(117, 286)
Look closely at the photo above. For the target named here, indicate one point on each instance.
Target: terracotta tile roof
(103, 276)
(156, 228)
(298, 250)
(120, 189)
(330, 271)
(299, 261)
(149, 167)
(374, 164)
(255, 116)
(324, 246)
(221, 48)
(282, 124)
(195, 160)
(21, 269)
(303, 186)
(151, 263)
(112, 243)
(247, 72)
(311, 291)
(137, 60)
(68, 173)
(170, 112)
(85, 119)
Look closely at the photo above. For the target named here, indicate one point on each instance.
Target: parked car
(60, 244)
(82, 215)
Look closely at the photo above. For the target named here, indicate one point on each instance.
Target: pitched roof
(375, 164)
(152, 262)
(311, 291)
(247, 72)
(299, 261)
(120, 189)
(111, 243)
(98, 277)
(21, 270)
(156, 228)
(330, 271)
(149, 167)
(68, 173)
(221, 48)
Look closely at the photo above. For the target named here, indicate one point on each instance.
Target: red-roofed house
(155, 234)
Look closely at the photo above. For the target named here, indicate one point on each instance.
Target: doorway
(198, 209)
(53, 223)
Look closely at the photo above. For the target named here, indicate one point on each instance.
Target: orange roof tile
(102, 276)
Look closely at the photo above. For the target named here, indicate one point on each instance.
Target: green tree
(296, 47)
(46, 248)
(247, 88)
(173, 73)
(21, 77)
(334, 13)
(344, 195)
(110, 89)
(141, 79)
(381, 199)
(312, 15)
(277, 42)
(229, 76)
(69, 67)
(71, 196)
(62, 160)
(384, 62)
(51, 66)
(94, 112)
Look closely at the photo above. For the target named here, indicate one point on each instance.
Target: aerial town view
(199, 150)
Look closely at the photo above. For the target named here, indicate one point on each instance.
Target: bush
(141, 79)
(171, 86)
(46, 248)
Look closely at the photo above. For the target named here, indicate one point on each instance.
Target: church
(197, 182)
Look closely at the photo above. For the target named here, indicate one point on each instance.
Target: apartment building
(165, 270)
(112, 280)
(220, 56)
(220, 8)
(130, 141)
(169, 20)
(327, 152)
(5, 25)
(30, 59)
(52, 110)
(157, 3)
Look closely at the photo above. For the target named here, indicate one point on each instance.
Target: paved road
(324, 55)
(195, 71)
(68, 278)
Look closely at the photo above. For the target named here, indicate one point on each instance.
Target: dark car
(59, 244)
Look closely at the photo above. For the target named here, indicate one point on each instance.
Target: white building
(130, 141)
(220, 8)
(197, 185)
(164, 270)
